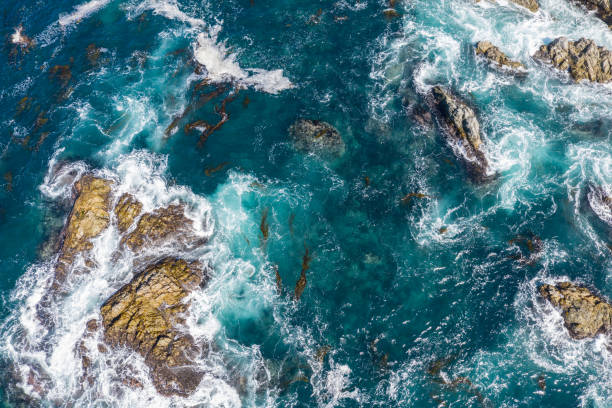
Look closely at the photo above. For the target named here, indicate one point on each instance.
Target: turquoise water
(430, 301)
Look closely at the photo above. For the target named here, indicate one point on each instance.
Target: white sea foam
(81, 11)
(222, 66)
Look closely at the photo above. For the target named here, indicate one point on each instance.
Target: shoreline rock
(584, 313)
(126, 211)
(531, 5)
(461, 126)
(146, 315)
(583, 59)
(495, 56)
(318, 137)
(602, 8)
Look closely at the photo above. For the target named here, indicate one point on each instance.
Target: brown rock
(585, 314)
(583, 59)
(146, 315)
(461, 125)
(531, 5)
(494, 54)
(163, 226)
(88, 218)
(603, 9)
(126, 210)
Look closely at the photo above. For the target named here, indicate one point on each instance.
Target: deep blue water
(430, 301)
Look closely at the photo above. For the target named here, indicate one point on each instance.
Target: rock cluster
(585, 314)
(603, 9)
(495, 55)
(317, 137)
(90, 215)
(583, 59)
(145, 315)
(462, 127)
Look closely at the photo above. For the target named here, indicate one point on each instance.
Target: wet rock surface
(126, 211)
(585, 314)
(461, 125)
(317, 136)
(602, 8)
(88, 218)
(497, 57)
(583, 59)
(163, 226)
(146, 315)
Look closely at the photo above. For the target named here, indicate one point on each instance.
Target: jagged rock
(88, 218)
(317, 136)
(494, 54)
(163, 226)
(126, 210)
(461, 126)
(583, 59)
(603, 9)
(585, 314)
(146, 315)
(531, 5)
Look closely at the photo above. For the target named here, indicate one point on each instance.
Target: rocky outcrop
(88, 218)
(602, 8)
(126, 211)
(600, 202)
(461, 126)
(496, 56)
(146, 315)
(583, 59)
(162, 227)
(531, 5)
(317, 137)
(585, 314)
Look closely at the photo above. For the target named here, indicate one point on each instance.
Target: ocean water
(420, 302)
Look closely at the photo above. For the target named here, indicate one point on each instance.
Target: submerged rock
(163, 226)
(146, 315)
(126, 211)
(585, 314)
(463, 129)
(88, 218)
(583, 59)
(317, 137)
(494, 55)
(603, 9)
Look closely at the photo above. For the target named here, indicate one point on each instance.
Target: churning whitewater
(358, 203)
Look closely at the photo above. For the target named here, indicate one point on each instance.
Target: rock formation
(317, 137)
(163, 226)
(494, 55)
(585, 314)
(603, 9)
(126, 210)
(147, 314)
(461, 126)
(583, 59)
(88, 218)
(531, 5)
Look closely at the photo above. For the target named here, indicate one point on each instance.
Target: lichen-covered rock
(494, 54)
(88, 218)
(162, 227)
(462, 127)
(317, 136)
(531, 5)
(585, 314)
(603, 9)
(583, 59)
(146, 315)
(126, 211)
